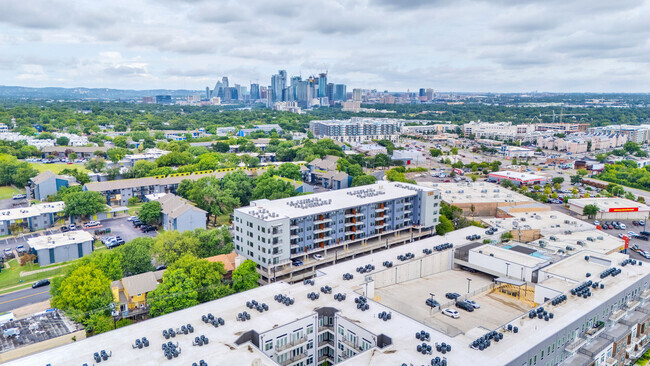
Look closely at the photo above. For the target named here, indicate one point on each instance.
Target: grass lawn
(11, 277)
(644, 359)
(134, 209)
(9, 191)
(56, 168)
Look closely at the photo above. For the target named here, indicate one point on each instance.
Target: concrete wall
(496, 264)
(64, 253)
(41, 346)
(426, 266)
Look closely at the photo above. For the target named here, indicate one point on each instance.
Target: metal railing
(291, 344)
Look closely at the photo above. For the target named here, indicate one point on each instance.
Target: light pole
(469, 280)
(507, 268)
(431, 310)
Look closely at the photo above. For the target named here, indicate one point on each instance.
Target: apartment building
(83, 152)
(498, 130)
(566, 128)
(149, 155)
(36, 217)
(572, 144)
(279, 234)
(180, 214)
(46, 184)
(61, 247)
(639, 134)
(356, 129)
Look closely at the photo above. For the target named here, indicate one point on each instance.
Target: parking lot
(12, 243)
(123, 228)
(642, 244)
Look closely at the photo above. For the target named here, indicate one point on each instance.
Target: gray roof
(46, 175)
(174, 206)
(326, 163)
(147, 181)
(140, 284)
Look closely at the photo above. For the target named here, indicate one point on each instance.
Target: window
(268, 345)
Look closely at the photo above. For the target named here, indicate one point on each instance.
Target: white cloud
(461, 45)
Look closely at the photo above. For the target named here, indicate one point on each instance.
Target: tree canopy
(84, 203)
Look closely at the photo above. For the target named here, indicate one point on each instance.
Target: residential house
(230, 262)
(130, 293)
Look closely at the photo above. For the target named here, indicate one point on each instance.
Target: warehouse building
(62, 247)
(519, 179)
(279, 234)
(614, 208)
(485, 199)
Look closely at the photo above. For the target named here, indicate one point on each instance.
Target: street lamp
(469, 280)
(431, 301)
(507, 267)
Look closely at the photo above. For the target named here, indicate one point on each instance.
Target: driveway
(14, 300)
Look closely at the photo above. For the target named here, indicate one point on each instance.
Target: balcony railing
(318, 240)
(323, 230)
(291, 344)
(316, 222)
(294, 359)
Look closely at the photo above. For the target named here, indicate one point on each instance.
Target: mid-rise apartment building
(356, 129)
(279, 234)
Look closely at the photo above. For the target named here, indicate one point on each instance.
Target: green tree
(84, 289)
(98, 323)
(291, 171)
(454, 151)
(109, 262)
(558, 180)
(81, 177)
(62, 141)
(267, 186)
(73, 156)
(435, 152)
(96, 165)
(213, 242)
(168, 246)
(445, 226)
(136, 256)
(590, 210)
(143, 168)
(84, 204)
(362, 180)
(120, 141)
(151, 213)
(176, 292)
(245, 276)
(115, 154)
(507, 236)
(205, 275)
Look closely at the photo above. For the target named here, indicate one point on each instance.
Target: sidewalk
(27, 273)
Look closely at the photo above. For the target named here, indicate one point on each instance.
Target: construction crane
(562, 114)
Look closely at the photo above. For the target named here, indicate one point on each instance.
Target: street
(14, 300)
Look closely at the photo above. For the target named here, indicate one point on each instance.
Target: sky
(396, 45)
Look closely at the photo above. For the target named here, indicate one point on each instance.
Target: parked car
(64, 229)
(451, 313)
(91, 224)
(632, 233)
(137, 223)
(452, 295)
(21, 249)
(148, 228)
(161, 267)
(318, 257)
(20, 196)
(119, 240)
(72, 227)
(622, 226)
(474, 304)
(645, 233)
(635, 223)
(8, 252)
(465, 306)
(296, 263)
(40, 283)
(620, 236)
(596, 222)
(641, 223)
(432, 303)
(131, 218)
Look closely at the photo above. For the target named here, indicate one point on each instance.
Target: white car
(92, 224)
(451, 313)
(596, 222)
(623, 227)
(317, 257)
(631, 233)
(131, 218)
(474, 304)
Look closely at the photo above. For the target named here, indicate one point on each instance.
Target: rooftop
(478, 192)
(606, 204)
(510, 255)
(31, 211)
(37, 328)
(331, 200)
(174, 206)
(517, 175)
(57, 240)
(139, 284)
(400, 328)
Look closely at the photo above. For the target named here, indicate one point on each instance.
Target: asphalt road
(14, 300)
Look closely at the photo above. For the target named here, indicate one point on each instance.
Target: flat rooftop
(224, 351)
(595, 240)
(509, 255)
(57, 240)
(32, 211)
(606, 204)
(36, 328)
(576, 266)
(518, 176)
(548, 222)
(478, 192)
(329, 201)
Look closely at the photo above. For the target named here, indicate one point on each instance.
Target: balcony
(323, 230)
(323, 328)
(327, 343)
(324, 358)
(290, 345)
(382, 209)
(575, 345)
(596, 330)
(351, 345)
(617, 315)
(294, 359)
(322, 221)
(631, 305)
(318, 240)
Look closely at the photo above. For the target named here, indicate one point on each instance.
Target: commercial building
(180, 214)
(36, 217)
(356, 129)
(46, 184)
(61, 247)
(566, 128)
(611, 323)
(517, 178)
(485, 199)
(615, 208)
(331, 224)
(130, 293)
(512, 152)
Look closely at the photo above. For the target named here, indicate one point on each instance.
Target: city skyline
(471, 46)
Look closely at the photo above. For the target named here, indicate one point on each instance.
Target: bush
(133, 201)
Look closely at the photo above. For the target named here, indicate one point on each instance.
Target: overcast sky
(448, 45)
